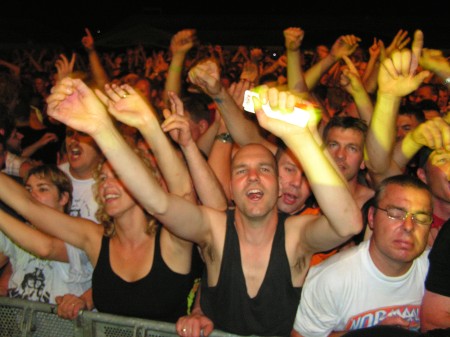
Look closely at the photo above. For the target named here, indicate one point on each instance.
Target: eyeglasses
(395, 213)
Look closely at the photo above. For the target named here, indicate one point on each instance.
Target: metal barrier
(22, 318)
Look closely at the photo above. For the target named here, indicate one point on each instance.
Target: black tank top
(161, 295)
(272, 311)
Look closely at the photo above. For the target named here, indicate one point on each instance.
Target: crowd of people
(140, 186)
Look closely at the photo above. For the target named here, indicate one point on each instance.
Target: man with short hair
(408, 118)
(380, 281)
(256, 259)
(344, 138)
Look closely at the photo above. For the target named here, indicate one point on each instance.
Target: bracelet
(177, 69)
(224, 137)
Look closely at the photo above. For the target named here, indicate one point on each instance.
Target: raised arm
(135, 111)
(434, 133)
(373, 66)
(33, 240)
(396, 79)
(98, 71)
(15, 69)
(75, 104)
(250, 68)
(340, 221)
(206, 184)
(41, 142)
(180, 44)
(344, 45)
(206, 140)
(351, 81)
(243, 130)
(435, 61)
(64, 67)
(78, 232)
(293, 38)
(379, 53)
(219, 158)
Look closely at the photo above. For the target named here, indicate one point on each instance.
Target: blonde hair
(105, 219)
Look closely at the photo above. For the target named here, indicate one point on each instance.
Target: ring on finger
(123, 96)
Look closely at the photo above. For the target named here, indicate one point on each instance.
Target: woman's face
(113, 193)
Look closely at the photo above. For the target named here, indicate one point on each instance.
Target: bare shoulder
(363, 193)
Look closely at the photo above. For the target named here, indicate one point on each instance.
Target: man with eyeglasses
(380, 281)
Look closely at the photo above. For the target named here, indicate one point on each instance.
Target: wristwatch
(224, 137)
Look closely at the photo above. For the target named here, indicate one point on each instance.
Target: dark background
(123, 22)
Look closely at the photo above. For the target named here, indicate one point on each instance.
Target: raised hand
(74, 104)
(256, 54)
(206, 75)
(176, 123)
(183, 41)
(395, 76)
(399, 42)
(47, 138)
(128, 106)
(375, 48)
(434, 133)
(350, 79)
(293, 37)
(416, 48)
(88, 40)
(64, 67)
(237, 90)
(345, 45)
(434, 60)
(281, 103)
(250, 72)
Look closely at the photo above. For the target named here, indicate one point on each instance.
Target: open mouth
(255, 194)
(289, 198)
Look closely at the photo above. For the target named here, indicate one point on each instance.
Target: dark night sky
(227, 22)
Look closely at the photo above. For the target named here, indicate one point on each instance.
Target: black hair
(428, 104)
(412, 110)
(198, 106)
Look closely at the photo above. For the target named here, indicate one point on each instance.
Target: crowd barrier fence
(22, 318)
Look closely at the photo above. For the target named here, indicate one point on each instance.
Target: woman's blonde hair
(106, 220)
